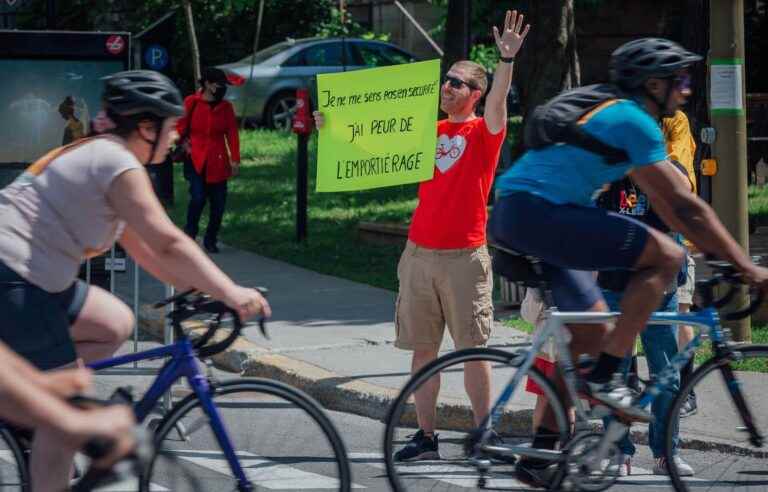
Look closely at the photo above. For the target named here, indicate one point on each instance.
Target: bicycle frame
(182, 364)
(708, 319)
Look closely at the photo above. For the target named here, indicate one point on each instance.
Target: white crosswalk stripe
(264, 473)
(462, 475)
(130, 485)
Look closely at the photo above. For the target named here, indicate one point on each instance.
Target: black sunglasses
(456, 83)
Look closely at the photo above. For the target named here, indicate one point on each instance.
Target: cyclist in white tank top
(74, 203)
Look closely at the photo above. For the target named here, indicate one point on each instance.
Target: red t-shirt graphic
(452, 206)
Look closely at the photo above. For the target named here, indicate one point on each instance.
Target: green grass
(704, 353)
(519, 323)
(261, 208)
(758, 204)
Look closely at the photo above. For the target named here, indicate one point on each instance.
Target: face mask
(219, 93)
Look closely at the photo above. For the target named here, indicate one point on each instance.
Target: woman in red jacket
(214, 149)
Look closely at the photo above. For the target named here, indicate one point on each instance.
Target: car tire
(280, 109)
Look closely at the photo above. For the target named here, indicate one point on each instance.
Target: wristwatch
(507, 59)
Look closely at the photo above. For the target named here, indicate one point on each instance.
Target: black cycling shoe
(420, 447)
(470, 442)
(535, 473)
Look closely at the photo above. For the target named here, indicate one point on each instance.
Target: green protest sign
(380, 126)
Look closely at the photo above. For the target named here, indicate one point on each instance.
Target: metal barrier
(511, 292)
(112, 264)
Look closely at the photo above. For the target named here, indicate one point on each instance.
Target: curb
(346, 394)
(334, 392)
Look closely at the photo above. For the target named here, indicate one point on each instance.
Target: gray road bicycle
(724, 441)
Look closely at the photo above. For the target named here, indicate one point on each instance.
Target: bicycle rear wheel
(454, 470)
(14, 474)
(282, 439)
(712, 441)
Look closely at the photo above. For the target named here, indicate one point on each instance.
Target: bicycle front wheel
(713, 440)
(453, 467)
(281, 437)
(14, 475)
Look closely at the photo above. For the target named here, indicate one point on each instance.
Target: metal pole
(244, 115)
(418, 27)
(302, 172)
(729, 185)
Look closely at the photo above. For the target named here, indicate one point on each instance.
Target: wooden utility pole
(726, 102)
(192, 40)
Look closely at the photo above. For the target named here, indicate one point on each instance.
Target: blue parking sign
(156, 57)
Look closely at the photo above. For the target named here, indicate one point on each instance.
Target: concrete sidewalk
(333, 338)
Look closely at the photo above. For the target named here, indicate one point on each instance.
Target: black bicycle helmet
(637, 61)
(142, 92)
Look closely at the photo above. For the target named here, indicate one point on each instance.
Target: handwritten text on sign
(380, 126)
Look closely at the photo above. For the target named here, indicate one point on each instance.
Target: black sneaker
(211, 247)
(535, 473)
(493, 440)
(690, 407)
(420, 447)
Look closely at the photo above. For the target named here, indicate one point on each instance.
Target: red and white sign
(115, 44)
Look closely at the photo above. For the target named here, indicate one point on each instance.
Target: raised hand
(511, 39)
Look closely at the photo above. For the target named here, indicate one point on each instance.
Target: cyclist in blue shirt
(547, 210)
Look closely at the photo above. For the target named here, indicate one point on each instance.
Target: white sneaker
(618, 398)
(621, 466)
(683, 468)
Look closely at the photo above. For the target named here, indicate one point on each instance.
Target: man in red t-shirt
(445, 271)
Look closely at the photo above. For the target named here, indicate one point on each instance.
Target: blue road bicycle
(724, 441)
(242, 434)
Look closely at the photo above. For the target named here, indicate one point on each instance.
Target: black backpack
(559, 121)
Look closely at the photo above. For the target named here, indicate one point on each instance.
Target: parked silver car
(270, 95)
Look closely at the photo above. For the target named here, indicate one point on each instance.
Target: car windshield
(267, 53)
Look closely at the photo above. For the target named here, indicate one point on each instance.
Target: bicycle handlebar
(726, 273)
(191, 303)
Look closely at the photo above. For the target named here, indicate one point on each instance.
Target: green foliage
(758, 204)
(486, 55)
(336, 26)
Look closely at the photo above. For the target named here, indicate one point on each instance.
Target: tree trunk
(457, 32)
(549, 62)
(192, 40)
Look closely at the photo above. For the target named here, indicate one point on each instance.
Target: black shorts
(35, 323)
(573, 240)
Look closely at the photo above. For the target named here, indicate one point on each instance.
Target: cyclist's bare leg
(684, 332)
(657, 266)
(477, 383)
(51, 461)
(426, 396)
(104, 323)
